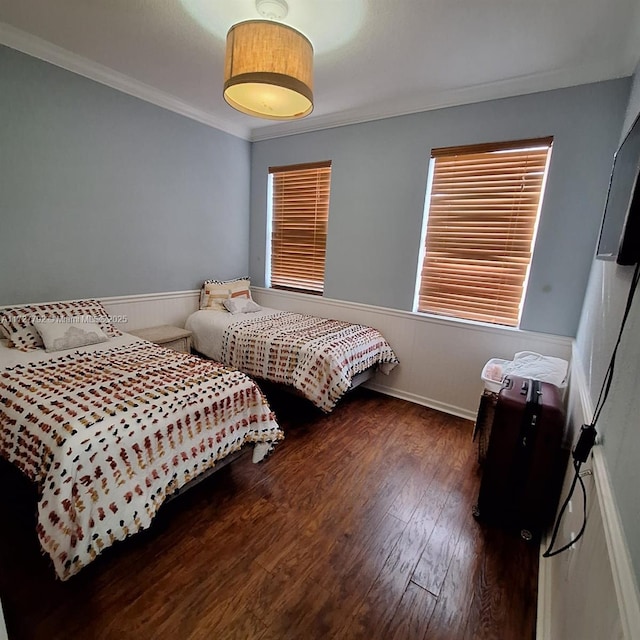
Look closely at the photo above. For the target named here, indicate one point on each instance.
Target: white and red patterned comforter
(317, 356)
(107, 434)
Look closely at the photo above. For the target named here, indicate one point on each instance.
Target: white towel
(529, 364)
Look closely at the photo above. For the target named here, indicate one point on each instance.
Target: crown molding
(38, 48)
(521, 85)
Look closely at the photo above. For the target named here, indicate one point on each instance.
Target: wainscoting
(440, 360)
(589, 592)
(152, 309)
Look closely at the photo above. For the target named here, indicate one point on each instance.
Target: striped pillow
(215, 292)
(18, 322)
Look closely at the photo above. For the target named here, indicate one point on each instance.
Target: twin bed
(319, 358)
(108, 426)
(108, 431)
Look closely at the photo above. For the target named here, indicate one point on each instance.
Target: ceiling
(374, 58)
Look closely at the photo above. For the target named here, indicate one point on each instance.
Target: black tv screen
(620, 230)
(629, 250)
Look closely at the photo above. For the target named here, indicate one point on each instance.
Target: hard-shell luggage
(524, 460)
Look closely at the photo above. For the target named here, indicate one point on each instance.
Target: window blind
(482, 218)
(299, 221)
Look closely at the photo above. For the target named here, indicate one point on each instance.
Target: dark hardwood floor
(358, 526)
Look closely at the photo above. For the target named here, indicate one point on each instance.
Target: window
(483, 203)
(299, 219)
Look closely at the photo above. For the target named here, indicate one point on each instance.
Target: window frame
(319, 211)
(526, 147)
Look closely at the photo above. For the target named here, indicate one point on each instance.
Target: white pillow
(69, 333)
(240, 305)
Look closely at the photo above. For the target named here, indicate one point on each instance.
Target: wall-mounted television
(620, 231)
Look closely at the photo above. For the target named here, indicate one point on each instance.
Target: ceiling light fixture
(268, 71)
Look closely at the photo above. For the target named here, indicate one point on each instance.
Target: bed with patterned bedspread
(109, 431)
(318, 357)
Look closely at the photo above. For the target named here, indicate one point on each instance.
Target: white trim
(619, 557)
(137, 297)
(149, 297)
(626, 587)
(551, 339)
(268, 231)
(421, 400)
(152, 309)
(512, 87)
(558, 341)
(39, 48)
(536, 227)
(426, 208)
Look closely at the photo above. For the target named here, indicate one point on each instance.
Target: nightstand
(167, 336)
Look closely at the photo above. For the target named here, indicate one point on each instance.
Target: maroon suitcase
(525, 459)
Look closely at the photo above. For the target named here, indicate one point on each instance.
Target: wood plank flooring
(358, 526)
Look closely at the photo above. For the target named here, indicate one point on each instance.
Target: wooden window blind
(482, 218)
(299, 220)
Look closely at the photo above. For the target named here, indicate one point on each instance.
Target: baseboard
(421, 400)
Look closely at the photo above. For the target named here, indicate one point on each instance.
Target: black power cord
(588, 432)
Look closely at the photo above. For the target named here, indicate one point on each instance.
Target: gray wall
(619, 424)
(378, 186)
(103, 194)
